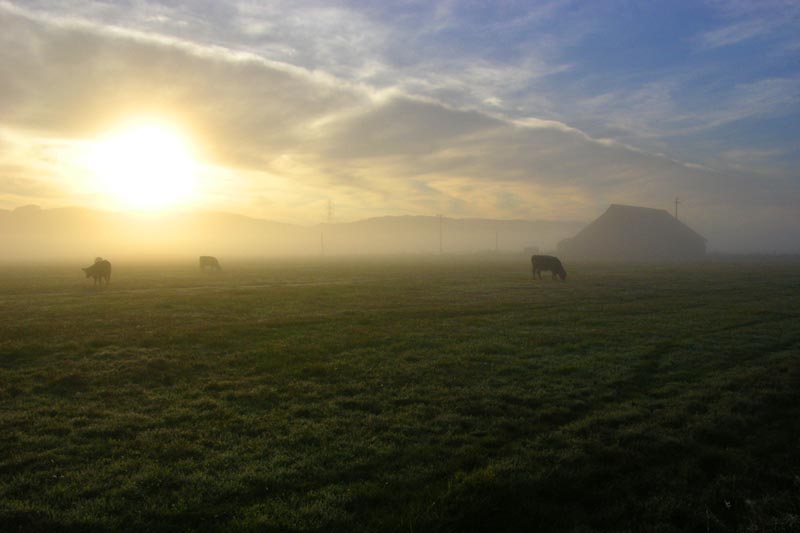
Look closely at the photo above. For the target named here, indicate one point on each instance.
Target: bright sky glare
(144, 165)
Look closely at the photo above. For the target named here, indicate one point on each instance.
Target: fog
(33, 234)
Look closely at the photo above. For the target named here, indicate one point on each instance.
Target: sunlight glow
(144, 165)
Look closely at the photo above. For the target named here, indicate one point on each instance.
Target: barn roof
(620, 217)
(631, 228)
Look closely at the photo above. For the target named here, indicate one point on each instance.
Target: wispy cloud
(293, 106)
(25, 187)
(654, 111)
(739, 31)
(744, 20)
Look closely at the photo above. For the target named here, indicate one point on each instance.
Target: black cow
(99, 270)
(207, 261)
(549, 263)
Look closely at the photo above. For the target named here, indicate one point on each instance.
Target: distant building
(629, 233)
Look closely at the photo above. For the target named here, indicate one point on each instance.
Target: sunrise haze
(549, 111)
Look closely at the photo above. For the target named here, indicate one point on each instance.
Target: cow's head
(86, 271)
(562, 274)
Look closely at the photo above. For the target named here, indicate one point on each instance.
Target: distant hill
(31, 233)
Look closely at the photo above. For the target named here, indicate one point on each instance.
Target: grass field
(444, 394)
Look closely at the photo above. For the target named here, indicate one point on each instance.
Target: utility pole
(676, 207)
(496, 241)
(440, 234)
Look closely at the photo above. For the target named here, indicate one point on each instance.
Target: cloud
(73, 79)
(25, 187)
(750, 20)
(286, 138)
(736, 33)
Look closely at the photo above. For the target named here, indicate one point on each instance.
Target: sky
(515, 110)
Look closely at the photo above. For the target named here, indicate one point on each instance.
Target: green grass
(402, 395)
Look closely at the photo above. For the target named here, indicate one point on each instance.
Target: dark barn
(630, 233)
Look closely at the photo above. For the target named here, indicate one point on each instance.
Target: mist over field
(33, 234)
(420, 393)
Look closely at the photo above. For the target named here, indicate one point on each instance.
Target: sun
(145, 165)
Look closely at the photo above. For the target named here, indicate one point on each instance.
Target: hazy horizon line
(200, 210)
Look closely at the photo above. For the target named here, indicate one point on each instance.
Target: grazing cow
(99, 270)
(207, 261)
(548, 263)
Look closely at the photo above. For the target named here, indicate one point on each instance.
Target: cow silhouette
(209, 262)
(548, 263)
(101, 269)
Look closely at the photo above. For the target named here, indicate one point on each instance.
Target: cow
(99, 270)
(548, 263)
(207, 261)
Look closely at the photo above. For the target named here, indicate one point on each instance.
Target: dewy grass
(453, 394)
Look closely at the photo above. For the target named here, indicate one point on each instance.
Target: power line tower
(440, 234)
(329, 216)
